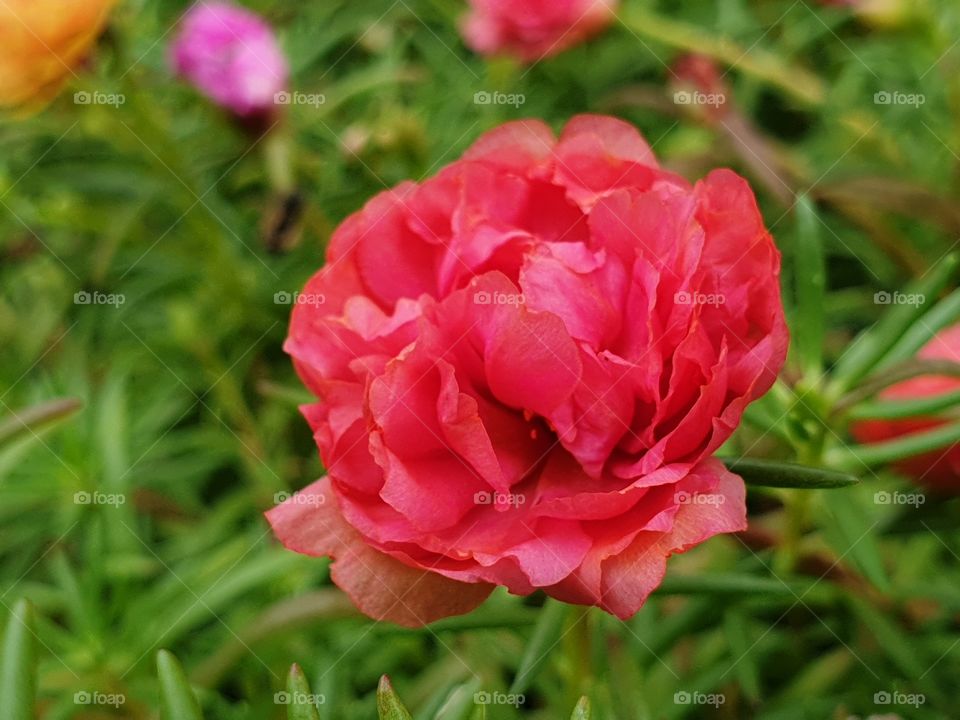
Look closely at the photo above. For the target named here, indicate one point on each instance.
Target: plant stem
(798, 82)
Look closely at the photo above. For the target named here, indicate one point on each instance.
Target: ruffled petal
(379, 585)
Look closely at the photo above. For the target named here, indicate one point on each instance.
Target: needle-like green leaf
(895, 409)
(850, 527)
(582, 710)
(881, 453)
(459, 702)
(388, 704)
(177, 701)
(809, 280)
(872, 345)
(18, 665)
(745, 665)
(942, 315)
(36, 418)
(546, 633)
(770, 473)
(717, 584)
(302, 704)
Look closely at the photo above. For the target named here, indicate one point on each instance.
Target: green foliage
(18, 671)
(142, 437)
(582, 710)
(299, 697)
(388, 704)
(177, 701)
(770, 473)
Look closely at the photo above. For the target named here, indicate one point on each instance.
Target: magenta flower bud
(231, 55)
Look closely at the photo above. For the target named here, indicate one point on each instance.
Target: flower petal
(379, 585)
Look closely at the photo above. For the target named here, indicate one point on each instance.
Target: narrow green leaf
(18, 665)
(877, 382)
(460, 702)
(177, 701)
(743, 584)
(388, 704)
(870, 347)
(944, 314)
(770, 473)
(301, 703)
(901, 649)
(582, 710)
(546, 633)
(850, 528)
(881, 453)
(912, 658)
(753, 62)
(36, 418)
(810, 281)
(895, 409)
(818, 676)
(652, 639)
(740, 640)
(765, 422)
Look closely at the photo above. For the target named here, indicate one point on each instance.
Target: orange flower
(42, 41)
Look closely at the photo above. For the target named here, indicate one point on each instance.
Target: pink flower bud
(231, 55)
(534, 29)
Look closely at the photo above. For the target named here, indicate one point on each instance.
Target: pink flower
(939, 469)
(523, 366)
(231, 55)
(534, 29)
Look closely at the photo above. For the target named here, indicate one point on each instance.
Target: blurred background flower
(231, 55)
(937, 469)
(43, 42)
(534, 29)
